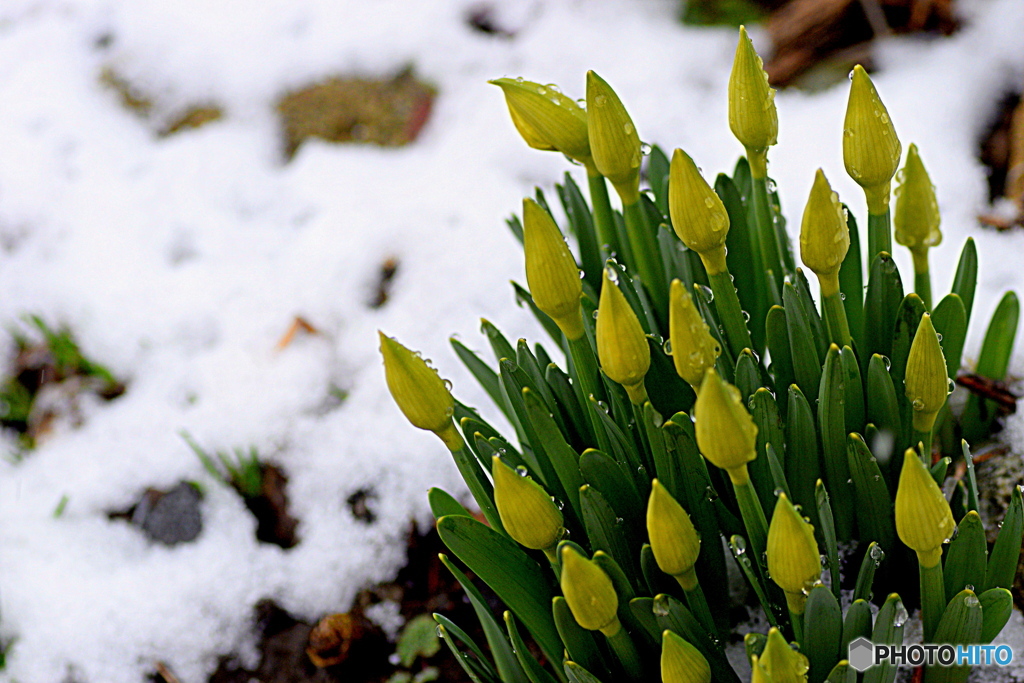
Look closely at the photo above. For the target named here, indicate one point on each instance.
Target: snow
(179, 263)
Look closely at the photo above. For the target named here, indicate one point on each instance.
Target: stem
(933, 595)
(752, 514)
(922, 278)
(699, 606)
(797, 620)
(604, 224)
(835, 317)
(879, 235)
(646, 453)
(479, 485)
(925, 439)
(590, 382)
(729, 312)
(771, 250)
(648, 260)
(625, 652)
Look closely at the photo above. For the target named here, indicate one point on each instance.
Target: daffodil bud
(793, 560)
(726, 434)
(927, 384)
(923, 518)
(589, 593)
(916, 218)
(824, 235)
(614, 141)
(752, 115)
(546, 118)
(693, 348)
(527, 512)
(551, 270)
(698, 214)
(758, 674)
(681, 662)
(871, 150)
(782, 663)
(621, 344)
(673, 539)
(420, 393)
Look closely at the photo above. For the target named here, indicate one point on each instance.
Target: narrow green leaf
(581, 223)
(950, 321)
(563, 459)
(996, 608)
(743, 261)
(477, 666)
(442, 503)
(777, 339)
(523, 296)
(883, 410)
(499, 344)
(826, 533)
(769, 432)
(487, 377)
(1002, 562)
(577, 674)
(993, 362)
(851, 283)
(908, 317)
(857, 624)
(972, 481)
(823, 633)
(643, 613)
(602, 472)
(841, 673)
(884, 294)
(806, 363)
(512, 574)
(801, 459)
(534, 671)
(668, 392)
(579, 642)
(967, 557)
(966, 279)
(509, 670)
(873, 557)
(623, 588)
(738, 546)
(832, 427)
(888, 630)
(516, 227)
(811, 311)
(961, 624)
(605, 532)
(873, 505)
(657, 175)
(672, 615)
(855, 407)
(569, 402)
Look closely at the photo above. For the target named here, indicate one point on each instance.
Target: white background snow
(179, 262)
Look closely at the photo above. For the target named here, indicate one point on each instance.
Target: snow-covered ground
(180, 262)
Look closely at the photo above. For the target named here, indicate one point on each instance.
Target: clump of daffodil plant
(697, 405)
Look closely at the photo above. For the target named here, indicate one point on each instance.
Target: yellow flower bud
(589, 593)
(923, 518)
(681, 662)
(621, 344)
(927, 384)
(782, 663)
(871, 150)
(546, 118)
(758, 674)
(527, 512)
(694, 350)
(551, 270)
(793, 560)
(614, 141)
(916, 217)
(698, 214)
(420, 393)
(673, 539)
(824, 235)
(726, 434)
(752, 115)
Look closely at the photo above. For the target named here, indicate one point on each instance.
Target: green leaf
(672, 615)
(569, 402)
(534, 671)
(883, 409)
(777, 339)
(884, 294)
(442, 503)
(855, 408)
(668, 392)
(832, 427)
(961, 624)
(656, 580)
(873, 557)
(605, 532)
(746, 377)
(476, 667)
(563, 460)
(769, 432)
(643, 613)
(908, 317)
(993, 362)
(972, 481)
(874, 507)
(888, 630)
(742, 258)
(1002, 562)
(967, 557)
(950, 321)
(581, 223)
(806, 363)
(801, 460)
(512, 574)
(851, 283)
(841, 673)
(823, 633)
(607, 476)
(826, 533)
(505, 660)
(856, 625)
(579, 642)
(500, 345)
(577, 674)
(738, 546)
(657, 175)
(996, 608)
(966, 279)
(523, 296)
(811, 311)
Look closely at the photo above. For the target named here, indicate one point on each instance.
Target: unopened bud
(916, 218)
(681, 662)
(923, 518)
(726, 434)
(698, 214)
(546, 118)
(781, 662)
(420, 393)
(589, 592)
(793, 559)
(926, 384)
(614, 141)
(871, 150)
(673, 539)
(752, 114)
(824, 235)
(527, 512)
(551, 270)
(621, 343)
(694, 350)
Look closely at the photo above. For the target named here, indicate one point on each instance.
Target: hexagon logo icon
(861, 654)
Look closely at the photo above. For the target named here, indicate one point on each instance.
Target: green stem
(925, 439)
(625, 652)
(604, 224)
(879, 235)
(933, 598)
(699, 606)
(646, 453)
(835, 319)
(797, 620)
(648, 259)
(922, 277)
(479, 486)
(753, 518)
(771, 250)
(585, 363)
(730, 315)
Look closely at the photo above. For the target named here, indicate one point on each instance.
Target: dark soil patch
(1002, 151)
